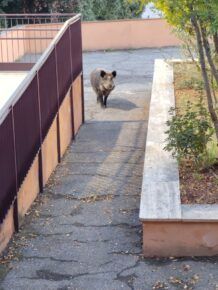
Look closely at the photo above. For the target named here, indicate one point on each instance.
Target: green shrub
(189, 133)
(211, 157)
(192, 83)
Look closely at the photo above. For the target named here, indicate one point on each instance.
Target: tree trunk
(208, 53)
(213, 91)
(215, 40)
(213, 114)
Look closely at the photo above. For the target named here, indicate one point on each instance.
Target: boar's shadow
(121, 104)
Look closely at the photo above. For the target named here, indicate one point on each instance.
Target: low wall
(114, 34)
(170, 229)
(96, 35)
(127, 34)
(178, 239)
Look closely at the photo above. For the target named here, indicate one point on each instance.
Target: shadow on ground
(121, 104)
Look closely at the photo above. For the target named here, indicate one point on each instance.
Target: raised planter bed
(170, 228)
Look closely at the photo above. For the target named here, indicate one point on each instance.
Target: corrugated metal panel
(48, 92)
(27, 129)
(76, 48)
(7, 166)
(63, 54)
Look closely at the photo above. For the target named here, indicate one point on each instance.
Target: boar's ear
(102, 73)
(114, 73)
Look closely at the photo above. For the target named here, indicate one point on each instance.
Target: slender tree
(197, 18)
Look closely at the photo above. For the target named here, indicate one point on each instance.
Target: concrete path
(83, 232)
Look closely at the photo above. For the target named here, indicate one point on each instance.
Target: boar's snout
(108, 83)
(111, 86)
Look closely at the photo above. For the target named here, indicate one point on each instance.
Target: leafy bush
(90, 9)
(211, 158)
(189, 133)
(192, 83)
(107, 9)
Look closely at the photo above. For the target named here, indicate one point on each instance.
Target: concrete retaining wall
(170, 228)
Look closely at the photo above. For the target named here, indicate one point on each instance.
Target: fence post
(82, 96)
(15, 215)
(58, 120)
(40, 150)
(6, 24)
(82, 82)
(71, 89)
(72, 112)
(15, 209)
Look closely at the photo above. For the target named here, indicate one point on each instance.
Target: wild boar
(102, 83)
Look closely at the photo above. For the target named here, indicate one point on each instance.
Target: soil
(196, 187)
(199, 187)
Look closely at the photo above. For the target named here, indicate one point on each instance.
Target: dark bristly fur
(102, 83)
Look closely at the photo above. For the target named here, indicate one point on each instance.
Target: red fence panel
(76, 48)
(27, 129)
(48, 93)
(63, 54)
(7, 166)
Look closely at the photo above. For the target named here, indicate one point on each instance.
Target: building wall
(127, 34)
(97, 35)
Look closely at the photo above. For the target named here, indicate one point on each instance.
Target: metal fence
(23, 38)
(25, 121)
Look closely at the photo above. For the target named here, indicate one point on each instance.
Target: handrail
(32, 73)
(14, 28)
(36, 14)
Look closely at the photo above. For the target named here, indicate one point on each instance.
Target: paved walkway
(83, 232)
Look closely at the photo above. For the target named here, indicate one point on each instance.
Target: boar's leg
(100, 99)
(105, 100)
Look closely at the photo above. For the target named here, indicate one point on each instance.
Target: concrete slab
(9, 81)
(200, 213)
(160, 197)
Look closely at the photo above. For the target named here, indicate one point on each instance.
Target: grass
(189, 87)
(212, 153)
(196, 186)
